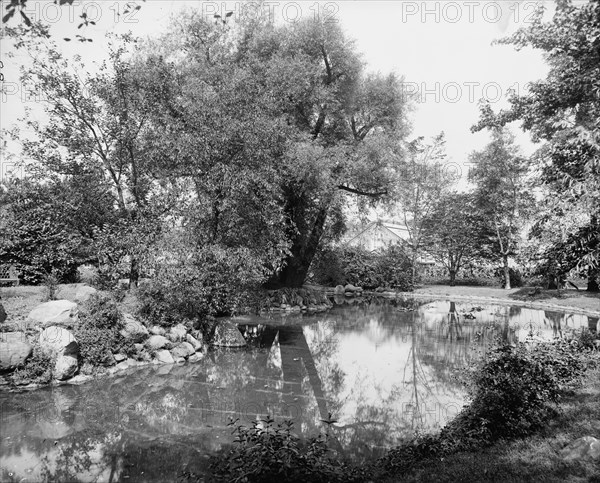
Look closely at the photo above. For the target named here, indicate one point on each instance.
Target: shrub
(98, 332)
(213, 281)
(267, 453)
(511, 394)
(355, 265)
(37, 369)
(51, 282)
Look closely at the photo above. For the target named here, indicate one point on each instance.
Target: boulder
(227, 335)
(59, 340)
(164, 356)
(339, 290)
(55, 312)
(134, 330)
(157, 330)
(197, 357)
(156, 342)
(177, 333)
(84, 292)
(14, 350)
(350, 288)
(196, 344)
(65, 367)
(2, 314)
(586, 447)
(119, 357)
(184, 349)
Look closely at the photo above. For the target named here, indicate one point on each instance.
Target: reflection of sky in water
(381, 370)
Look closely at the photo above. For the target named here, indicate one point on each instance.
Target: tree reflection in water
(383, 370)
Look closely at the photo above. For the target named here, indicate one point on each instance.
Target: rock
(84, 292)
(185, 349)
(177, 333)
(195, 343)
(55, 312)
(164, 356)
(156, 342)
(109, 360)
(179, 360)
(65, 367)
(133, 329)
(59, 340)
(197, 357)
(157, 330)
(227, 335)
(582, 448)
(350, 288)
(139, 347)
(2, 314)
(14, 350)
(119, 357)
(339, 290)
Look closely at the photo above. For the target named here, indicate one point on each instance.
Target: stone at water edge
(58, 340)
(14, 350)
(55, 312)
(157, 330)
(228, 335)
(184, 349)
(196, 344)
(339, 290)
(84, 292)
(119, 357)
(156, 342)
(584, 447)
(197, 357)
(164, 356)
(65, 367)
(134, 330)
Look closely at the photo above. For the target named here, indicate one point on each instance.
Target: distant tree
(563, 110)
(455, 232)
(501, 194)
(419, 188)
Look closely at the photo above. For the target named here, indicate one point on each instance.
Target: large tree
(274, 125)
(563, 111)
(502, 194)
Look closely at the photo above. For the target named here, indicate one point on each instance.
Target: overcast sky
(443, 49)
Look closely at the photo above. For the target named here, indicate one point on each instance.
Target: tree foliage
(563, 111)
(502, 194)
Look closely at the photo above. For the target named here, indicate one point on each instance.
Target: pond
(383, 369)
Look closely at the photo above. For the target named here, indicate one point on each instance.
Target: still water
(383, 370)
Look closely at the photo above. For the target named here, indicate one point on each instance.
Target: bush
(355, 265)
(98, 332)
(267, 453)
(213, 282)
(37, 369)
(511, 393)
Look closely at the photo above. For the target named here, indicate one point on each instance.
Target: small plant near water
(37, 369)
(266, 453)
(98, 332)
(512, 394)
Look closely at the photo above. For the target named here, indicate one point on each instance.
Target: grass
(534, 458)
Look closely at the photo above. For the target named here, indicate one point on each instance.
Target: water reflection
(383, 370)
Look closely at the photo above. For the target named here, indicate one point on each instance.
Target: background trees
(563, 111)
(456, 233)
(501, 193)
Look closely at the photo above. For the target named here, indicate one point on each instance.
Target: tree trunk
(134, 273)
(452, 278)
(506, 272)
(592, 285)
(303, 251)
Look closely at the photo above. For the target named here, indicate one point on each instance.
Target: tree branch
(355, 191)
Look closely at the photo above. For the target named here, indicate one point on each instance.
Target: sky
(443, 49)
